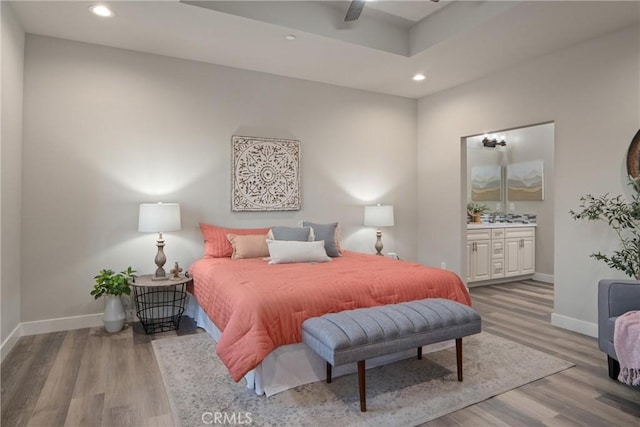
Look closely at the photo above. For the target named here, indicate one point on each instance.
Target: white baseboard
(11, 341)
(46, 326)
(575, 325)
(62, 324)
(541, 277)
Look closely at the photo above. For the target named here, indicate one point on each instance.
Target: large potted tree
(112, 285)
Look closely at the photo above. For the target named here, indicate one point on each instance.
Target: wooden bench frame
(362, 384)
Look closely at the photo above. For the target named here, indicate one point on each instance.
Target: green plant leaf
(107, 282)
(623, 217)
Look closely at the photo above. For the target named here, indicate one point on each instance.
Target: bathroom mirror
(485, 172)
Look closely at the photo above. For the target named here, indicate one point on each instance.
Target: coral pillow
(216, 244)
(248, 246)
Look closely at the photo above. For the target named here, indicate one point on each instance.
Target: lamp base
(160, 260)
(378, 245)
(159, 278)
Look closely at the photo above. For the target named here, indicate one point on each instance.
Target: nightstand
(159, 303)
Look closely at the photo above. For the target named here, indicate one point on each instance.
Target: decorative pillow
(284, 252)
(216, 244)
(328, 233)
(248, 246)
(299, 234)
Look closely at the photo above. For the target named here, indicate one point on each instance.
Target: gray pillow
(297, 234)
(328, 233)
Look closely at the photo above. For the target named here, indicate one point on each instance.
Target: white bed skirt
(295, 364)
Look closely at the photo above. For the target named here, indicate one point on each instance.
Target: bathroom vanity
(500, 251)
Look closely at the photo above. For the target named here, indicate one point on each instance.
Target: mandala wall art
(265, 174)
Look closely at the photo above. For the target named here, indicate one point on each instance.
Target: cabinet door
(528, 256)
(512, 257)
(482, 260)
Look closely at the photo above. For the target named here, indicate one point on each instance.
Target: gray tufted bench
(364, 333)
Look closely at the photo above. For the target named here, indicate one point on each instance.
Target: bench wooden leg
(328, 372)
(459, 357)
(362, 386)
(419, 353)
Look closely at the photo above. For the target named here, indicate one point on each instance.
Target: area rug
(405, 393)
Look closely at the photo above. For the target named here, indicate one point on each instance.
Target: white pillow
(285, 251)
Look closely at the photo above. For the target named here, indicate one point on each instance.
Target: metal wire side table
(159, 304)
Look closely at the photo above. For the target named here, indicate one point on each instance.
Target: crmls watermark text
(233, 418)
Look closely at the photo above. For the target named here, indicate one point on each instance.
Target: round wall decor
(633, 156)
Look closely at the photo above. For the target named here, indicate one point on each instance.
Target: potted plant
(623, 217)
(475, 210)
(112, 285)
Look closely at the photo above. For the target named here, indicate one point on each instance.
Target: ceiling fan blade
(355, 8)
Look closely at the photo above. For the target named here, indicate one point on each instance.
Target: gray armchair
(615, 297)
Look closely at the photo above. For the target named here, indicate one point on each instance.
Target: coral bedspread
(259, 307)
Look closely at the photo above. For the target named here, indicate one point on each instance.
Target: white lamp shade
(378, 216)
(159, 217)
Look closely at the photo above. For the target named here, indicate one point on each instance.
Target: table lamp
(159, 218)
(378, 216)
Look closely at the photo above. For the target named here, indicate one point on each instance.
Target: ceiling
(451, 42)
(413, 11)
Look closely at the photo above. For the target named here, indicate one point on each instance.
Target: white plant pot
(114, 316)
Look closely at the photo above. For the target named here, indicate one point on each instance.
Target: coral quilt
(259, 307)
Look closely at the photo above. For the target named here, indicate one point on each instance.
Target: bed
(255, 310)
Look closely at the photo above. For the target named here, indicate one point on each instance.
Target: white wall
(11, 173)
(591, 91)
(107, 129)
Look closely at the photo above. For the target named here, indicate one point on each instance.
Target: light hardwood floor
(580, 396)
(90, 378)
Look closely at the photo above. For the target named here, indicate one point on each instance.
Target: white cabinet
(478, 255)
(520, 250)
(500, 252)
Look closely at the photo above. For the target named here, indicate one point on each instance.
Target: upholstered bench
(364, 333)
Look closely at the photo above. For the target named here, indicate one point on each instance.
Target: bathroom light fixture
(418, 77)
(290, 37)
(491, 141)
(101, 10)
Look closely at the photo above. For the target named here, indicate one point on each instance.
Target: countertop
(499, 225)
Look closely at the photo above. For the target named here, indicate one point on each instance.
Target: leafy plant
(623, 217)
(110, 283)
(476, 208)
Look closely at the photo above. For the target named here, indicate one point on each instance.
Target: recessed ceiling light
(290, 37)
(418, 77)
(102, 11)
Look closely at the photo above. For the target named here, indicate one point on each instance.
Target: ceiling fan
(355, 9)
